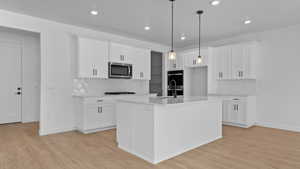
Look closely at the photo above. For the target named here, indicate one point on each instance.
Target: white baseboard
(279, 126)
(97, 130)
(56, 131)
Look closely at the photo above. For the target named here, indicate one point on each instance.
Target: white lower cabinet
(94, 114)
(239, 111)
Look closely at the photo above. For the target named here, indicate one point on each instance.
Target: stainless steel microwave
(119, 70)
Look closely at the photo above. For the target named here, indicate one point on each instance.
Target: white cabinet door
(120, 53)
(239, 61)
(234, 111)
(93, 58)
(250, 52)
(141, 64)
(227, 109)
(98, 115)
(236, 61)
(190, 59)
(223, 62)
(109, 117)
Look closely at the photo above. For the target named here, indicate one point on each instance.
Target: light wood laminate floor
(254, 148)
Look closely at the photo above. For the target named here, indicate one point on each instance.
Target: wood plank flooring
(254, 148)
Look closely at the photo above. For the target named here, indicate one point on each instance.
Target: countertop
(233, 95)
(113, 96)
(165, 100)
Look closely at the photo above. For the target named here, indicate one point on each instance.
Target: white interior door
(10, 73)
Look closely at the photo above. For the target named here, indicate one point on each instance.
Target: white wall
(278, 82)
(30, 43)
(56, 114)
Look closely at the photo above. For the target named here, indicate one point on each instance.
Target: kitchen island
(159, 128)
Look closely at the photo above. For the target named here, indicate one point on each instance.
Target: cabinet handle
(220, 74)
(122, 57)
(99, 109)
(242, 73)
(237, 107)
(93, 72)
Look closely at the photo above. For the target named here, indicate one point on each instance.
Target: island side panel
(135, 127)
(182, 127)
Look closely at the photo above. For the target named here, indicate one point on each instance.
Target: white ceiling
(128, 17)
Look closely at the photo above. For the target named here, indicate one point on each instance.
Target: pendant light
(172, 54)
(199, 59)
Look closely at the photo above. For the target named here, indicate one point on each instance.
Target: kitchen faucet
(175, 86)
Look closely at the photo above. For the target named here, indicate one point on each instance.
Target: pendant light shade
(199, 59)
(172, 54)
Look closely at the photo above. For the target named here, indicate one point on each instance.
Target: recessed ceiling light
(215, 2)
(147, 28)
(94, 12)
(248, 21)
(182, 37)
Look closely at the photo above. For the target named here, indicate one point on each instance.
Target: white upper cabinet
(120, 53)
(223, 62)
(190, 58)
(141, 62)
(243, 61)
(92, 58)
(235, 61)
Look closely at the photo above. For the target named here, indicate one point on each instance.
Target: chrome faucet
(175, 86)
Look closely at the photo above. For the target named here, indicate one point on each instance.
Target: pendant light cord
(199, 13)
(172, 37)
(199, 35)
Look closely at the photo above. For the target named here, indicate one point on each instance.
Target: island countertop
(165, 100)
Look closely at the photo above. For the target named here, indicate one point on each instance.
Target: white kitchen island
(159, 128)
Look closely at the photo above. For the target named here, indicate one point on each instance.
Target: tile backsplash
(236, 87)
(99, 86)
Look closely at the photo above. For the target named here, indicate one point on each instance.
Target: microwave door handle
(129, 71)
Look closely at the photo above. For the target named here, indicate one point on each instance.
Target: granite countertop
(165, 100)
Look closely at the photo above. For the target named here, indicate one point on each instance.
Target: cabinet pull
(237, 107)
(99, 109)
(93, 72)
(220, 74)
(242, 73)
(122, 57)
